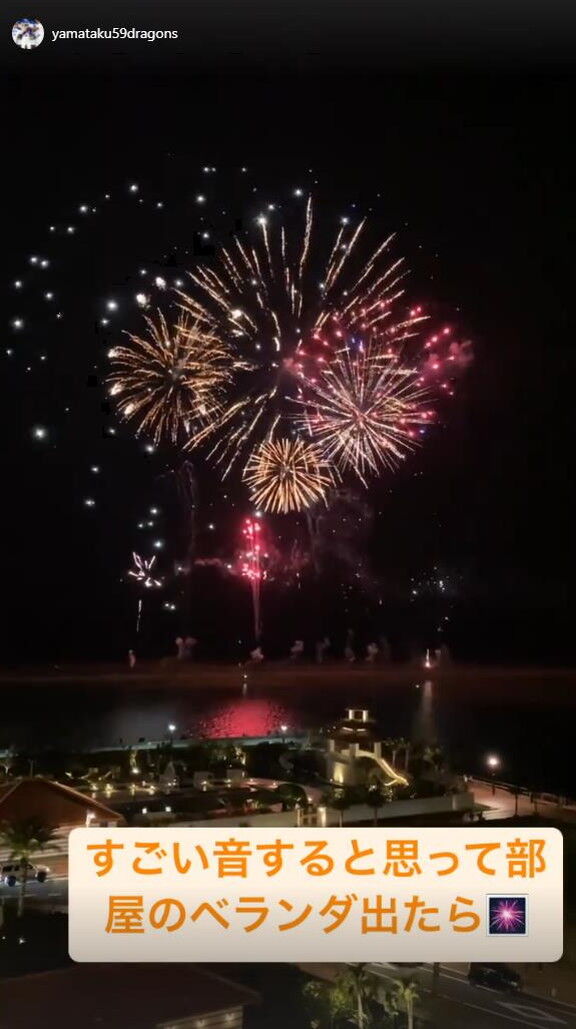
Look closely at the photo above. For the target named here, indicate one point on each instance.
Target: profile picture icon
(28, 33)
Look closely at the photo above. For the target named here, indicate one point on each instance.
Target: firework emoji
(507, 916)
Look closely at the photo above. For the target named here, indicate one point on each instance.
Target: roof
(136, 996)
(355, 732)
(38, 798)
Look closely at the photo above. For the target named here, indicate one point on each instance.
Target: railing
(546, 798)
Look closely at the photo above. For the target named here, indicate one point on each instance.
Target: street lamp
(493, 763)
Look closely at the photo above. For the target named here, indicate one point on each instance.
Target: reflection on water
(200, 716)
(246, 717)
(424, 728)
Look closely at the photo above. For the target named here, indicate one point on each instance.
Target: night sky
(476, 172)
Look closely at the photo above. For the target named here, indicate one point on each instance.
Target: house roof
(137, 996)
(22, 792)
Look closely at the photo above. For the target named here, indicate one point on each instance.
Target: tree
(397, 745)
(347, 998)
(326, 1001)
(359, 986)
(376, 797)
(291, 794)
(435, 977)
(392, 746)
(339, 800)
(8, 761)
(435, 757)
(405, 995)
(23, 839)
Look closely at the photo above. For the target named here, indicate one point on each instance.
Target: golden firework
(365, 411)
(283, 300)
(286, 475)
(170, 381)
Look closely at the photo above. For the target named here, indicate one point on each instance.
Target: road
(51, 894)
(459, 1005)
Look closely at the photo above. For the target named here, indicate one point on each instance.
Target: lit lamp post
(171, 730)
(493, 763)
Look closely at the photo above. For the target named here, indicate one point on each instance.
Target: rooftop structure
(354, 752)
(52, 804)
(136, 996)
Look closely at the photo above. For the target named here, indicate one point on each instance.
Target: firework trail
(142, 572)
(252, 568)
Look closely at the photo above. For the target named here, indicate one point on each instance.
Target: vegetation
(376, 797)
(347, 1000)
(404, 997)
(339, 798)
(356, 998)
(291, 794)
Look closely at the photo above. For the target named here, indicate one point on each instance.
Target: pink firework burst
(507, 915)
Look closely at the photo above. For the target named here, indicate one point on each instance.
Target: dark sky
(481, 167)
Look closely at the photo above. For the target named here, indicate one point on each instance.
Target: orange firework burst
(170, 381)
(286, 475)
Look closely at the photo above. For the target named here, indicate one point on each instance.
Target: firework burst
(365, 410)
(286, 475)
(285, 302)
(170, 380)
(142, 571)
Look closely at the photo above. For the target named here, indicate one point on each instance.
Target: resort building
(354, 752)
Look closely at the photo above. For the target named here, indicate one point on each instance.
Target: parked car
(494, 977)
(12, 874)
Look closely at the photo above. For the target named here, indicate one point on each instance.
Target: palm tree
(8, 761)
(376, 798)
(392, 745)
(328, 1001)
(406, 994)
(339, 800)
(359, 987)
(436, 757)
(23, 839)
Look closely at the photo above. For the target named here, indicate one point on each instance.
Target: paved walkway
(501, 803)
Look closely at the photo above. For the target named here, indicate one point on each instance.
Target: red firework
(253, 560)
